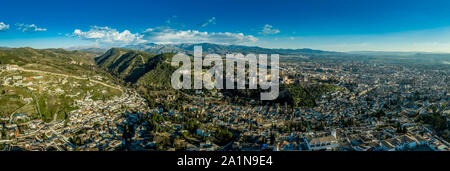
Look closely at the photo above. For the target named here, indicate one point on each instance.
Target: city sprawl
(351, 105)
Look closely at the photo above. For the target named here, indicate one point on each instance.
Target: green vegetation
(51, 97)
(11, 100)
(300, 96)
(438, 123)
(159, 73)
(52, 60)
(223, 136)
(75, 140)
(148, 70)
(50, 106)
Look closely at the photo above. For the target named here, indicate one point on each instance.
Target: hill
(51, 60)
(150, 74)
(139, 68)
(49, 83)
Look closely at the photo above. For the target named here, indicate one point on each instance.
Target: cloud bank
(108, 36)
(168, 35)
(162, 35)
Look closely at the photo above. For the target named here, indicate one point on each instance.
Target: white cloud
(168, 35)
(29, 28)
(268, 29)
(210, 21)
(3, 26)
(163, 35)
(109, 36)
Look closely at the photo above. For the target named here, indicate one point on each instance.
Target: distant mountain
(97, 50)
(94, 50)
(156, 48)
(226, 49)
(385, 53)
(296, 55)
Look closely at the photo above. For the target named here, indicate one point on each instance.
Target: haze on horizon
(345, 25)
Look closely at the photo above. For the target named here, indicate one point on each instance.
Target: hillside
(51, 60)
(140, 68)
(48, 84)
(150, 74)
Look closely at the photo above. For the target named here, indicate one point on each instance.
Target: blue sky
(340, 25)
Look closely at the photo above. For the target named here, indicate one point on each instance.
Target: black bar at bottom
(221, 159)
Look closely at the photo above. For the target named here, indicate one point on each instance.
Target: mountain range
(209, 48)
(288, 54)
(225, 49)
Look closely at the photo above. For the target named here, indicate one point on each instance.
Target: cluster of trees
(301, 96)
(77, 141)
(223, 136)
(401, 129)
(438, 121)
(294, 95)
(159, 77)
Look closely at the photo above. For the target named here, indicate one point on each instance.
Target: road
(37, 104)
